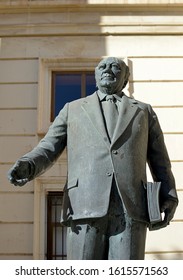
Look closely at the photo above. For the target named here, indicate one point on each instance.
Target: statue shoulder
(82, 100)
(142, 105)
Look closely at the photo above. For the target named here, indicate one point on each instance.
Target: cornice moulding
(43, 6)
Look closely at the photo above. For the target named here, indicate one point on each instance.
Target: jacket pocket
(72, 183)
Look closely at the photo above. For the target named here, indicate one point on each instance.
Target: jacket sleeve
(158, 159)
(50, 147)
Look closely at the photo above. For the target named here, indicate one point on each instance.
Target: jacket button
(115, 152)
(108, 174)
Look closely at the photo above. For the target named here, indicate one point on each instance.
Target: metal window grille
(56, 233)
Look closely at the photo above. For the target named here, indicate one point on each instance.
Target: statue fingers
(20, 182)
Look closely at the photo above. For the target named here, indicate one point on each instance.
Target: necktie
(111, 114)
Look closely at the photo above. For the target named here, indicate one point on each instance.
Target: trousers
(112, 237)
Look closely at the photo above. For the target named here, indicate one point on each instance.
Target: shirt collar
(102, 96)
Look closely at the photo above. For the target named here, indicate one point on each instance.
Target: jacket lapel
(91, 106)
(126, 113)
(128, 109)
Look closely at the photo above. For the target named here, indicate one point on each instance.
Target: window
(67, 87)
(56, 232)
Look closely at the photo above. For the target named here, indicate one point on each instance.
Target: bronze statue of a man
(109, 138)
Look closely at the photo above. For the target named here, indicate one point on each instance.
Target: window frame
(43, 185)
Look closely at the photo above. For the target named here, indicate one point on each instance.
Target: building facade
(39, 39)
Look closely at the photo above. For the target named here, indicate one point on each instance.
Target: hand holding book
(168, 208)
(155, 212)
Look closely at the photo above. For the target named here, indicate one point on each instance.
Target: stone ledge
(33, 6)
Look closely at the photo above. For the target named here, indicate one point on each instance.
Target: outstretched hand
(19, 174)
(168, 208)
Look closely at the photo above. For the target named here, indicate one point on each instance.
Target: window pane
(59, 241)
(70, 86)
(67, 88)
(90, 84)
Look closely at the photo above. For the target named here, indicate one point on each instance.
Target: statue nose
(108, 69)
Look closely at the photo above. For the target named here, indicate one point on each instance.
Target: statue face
(110, 75)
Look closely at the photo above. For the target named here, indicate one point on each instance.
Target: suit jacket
(93, 160)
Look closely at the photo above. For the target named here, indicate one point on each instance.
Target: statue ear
(127, 74)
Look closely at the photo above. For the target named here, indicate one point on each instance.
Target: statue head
(111, 75)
